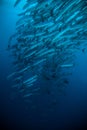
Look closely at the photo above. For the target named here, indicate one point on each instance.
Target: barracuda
(30, 6)
(31, 79)
(24, 69)
(17, 2)
(30, 54)
(66, 65)
(39, 62)
(27, 95)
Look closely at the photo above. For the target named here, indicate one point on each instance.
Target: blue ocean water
(66, 111)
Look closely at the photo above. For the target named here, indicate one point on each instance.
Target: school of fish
(48, 35)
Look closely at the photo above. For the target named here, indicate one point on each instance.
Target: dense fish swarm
(48, 33)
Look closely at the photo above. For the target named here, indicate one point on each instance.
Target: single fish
(66, 65)
(17, 2)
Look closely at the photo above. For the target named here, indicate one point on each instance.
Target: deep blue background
(70, 110)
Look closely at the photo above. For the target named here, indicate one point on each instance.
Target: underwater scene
(43, 64)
